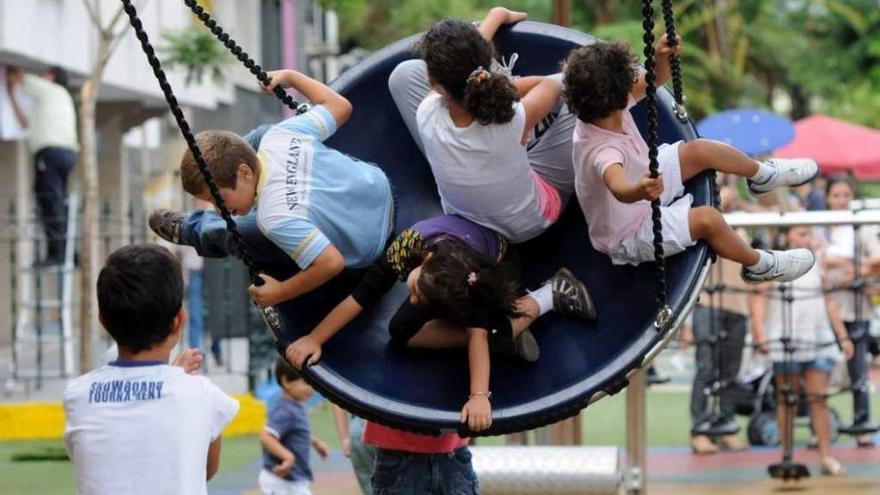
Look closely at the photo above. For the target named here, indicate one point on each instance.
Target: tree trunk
(603, 11)
(89, 247)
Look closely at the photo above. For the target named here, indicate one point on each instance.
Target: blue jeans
(719, 347)
(406, 473)
(52, 166)
(195, 308)
(206, 232)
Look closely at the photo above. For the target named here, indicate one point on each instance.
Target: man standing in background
(52, 140)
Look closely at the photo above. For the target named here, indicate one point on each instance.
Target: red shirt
(389, 438)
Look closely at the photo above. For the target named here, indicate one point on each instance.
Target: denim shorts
(824, 365)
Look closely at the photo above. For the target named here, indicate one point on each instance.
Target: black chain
(674, 62)
(653, 166)
(239, 53)
(678, 89)
(190, 138)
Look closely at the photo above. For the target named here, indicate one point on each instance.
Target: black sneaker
(166, 224)
(526, 346)
(570, 296)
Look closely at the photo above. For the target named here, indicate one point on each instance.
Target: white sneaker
(790, 172)
(787, 266)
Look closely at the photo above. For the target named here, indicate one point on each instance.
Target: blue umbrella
(752, 131)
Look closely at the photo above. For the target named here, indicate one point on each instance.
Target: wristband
(487, 394)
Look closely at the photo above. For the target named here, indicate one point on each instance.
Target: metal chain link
(188, 136)
(664, 312)
(239, 53)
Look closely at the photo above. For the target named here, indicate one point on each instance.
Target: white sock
(544, 298)
(765, 262)
(765, 173)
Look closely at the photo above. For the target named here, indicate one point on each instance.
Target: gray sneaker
(790, 172)
(787, 266)
(166, 224)
(526, 346)
(570, 296)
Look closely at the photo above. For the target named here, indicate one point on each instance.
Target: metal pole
(635, 434)
(14, 239)
(562, 12)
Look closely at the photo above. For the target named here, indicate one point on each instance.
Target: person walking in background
(363, 457)
(193, 267)
(52, 140)
(855, 309)
(719, 336)
(287, 437)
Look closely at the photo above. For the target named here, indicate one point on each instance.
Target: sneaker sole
(758, 194)
(589, 312)
(527, 347)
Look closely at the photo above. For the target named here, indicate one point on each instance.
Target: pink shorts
(549, 200)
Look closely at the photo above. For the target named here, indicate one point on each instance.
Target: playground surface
(28, 467)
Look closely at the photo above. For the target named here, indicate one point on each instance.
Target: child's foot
(785, 266)
(166, 224)
(703, 445)
(526, 346)
(788, 172)
(832, 467)
(570, 296)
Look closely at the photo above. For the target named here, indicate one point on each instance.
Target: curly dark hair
(453, 50)
(444, 282)
(598, 79)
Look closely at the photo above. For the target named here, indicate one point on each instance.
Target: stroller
(755, 396)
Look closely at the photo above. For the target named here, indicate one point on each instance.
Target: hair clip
(472, 278)
(479, 75)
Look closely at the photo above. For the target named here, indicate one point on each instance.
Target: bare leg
(703, 154)
(529, 307)
(781, 411)
(440, 334)
(817, 385)
(707, 223)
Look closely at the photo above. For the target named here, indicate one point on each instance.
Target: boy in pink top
(408, 463)
(615, 190)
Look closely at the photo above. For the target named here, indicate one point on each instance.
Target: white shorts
(674, 210)
(270, 484)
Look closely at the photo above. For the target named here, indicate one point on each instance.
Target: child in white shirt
(139, 425)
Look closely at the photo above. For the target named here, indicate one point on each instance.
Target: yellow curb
(40, 421)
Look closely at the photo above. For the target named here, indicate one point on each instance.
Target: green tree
(197, 51)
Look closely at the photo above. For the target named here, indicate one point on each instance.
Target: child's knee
(705, 220)
(697, 151)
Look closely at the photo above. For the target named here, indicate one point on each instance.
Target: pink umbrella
(838, 146)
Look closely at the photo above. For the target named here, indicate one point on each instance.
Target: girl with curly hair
(615, 190)
(464, 291)
(499, 147)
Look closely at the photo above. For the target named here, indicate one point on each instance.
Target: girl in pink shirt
(615, 190)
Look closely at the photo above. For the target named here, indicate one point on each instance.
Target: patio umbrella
(752, 131)
(838, 146)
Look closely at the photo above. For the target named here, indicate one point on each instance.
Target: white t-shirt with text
(143, 428)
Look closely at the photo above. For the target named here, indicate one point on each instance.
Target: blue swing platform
(425, 391)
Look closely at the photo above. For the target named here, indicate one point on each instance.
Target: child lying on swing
(464, 292)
